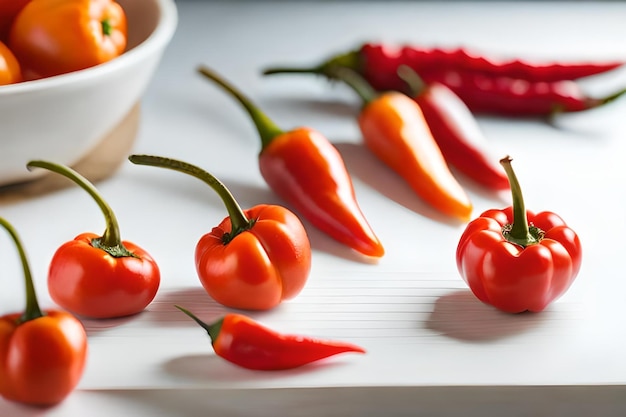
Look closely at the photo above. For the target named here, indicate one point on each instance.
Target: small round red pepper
(246, 343)
(100, 276)
(253, 259)
(516, 260)
(42, 353)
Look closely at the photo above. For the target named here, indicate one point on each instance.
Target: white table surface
(432, 348)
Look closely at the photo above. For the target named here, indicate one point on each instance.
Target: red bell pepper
(97, 276)
(246, 343)
(516, 260)
(42, 353)
(254, 259)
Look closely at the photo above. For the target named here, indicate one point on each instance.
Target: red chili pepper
(100, 276)
(516, 260)
(371, 56)
(306, 170)
(246, 343)
(253, 259)
(456, 131)
(395, 130)
(496, 92)
(42, 353)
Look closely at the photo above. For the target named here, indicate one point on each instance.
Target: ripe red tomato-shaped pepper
(42, 353)
(100, 276)
(52, 37)
(254, 259)
(516, 260)
(10, 71)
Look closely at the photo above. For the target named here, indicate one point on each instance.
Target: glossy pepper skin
(254, 259)
(456, 131)
(495, 92)
(246, 343)
(394, 129)
(10, 70)
(100, 276)
(53, 37)
(42, 353)
(307, 171)
(516, 260)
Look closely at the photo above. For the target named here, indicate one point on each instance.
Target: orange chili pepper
(10, 71)
(254, 259)
(42, 353)
(395, 130)
(52, 37)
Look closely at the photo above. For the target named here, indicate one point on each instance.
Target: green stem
(356, 82)
(32, 305)
(110, 241)
(519, 232)
(107, 28)
(412, 79)
(238, 219)
(212, 329)
(267, 129)
(350, 60)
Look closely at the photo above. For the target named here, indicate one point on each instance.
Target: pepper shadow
(460, 315)
(200, 368)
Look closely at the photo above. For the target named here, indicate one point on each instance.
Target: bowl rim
(163, 33)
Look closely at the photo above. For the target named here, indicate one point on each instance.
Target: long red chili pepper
(423, 59)
(306, 170)
(42, 353)
(456, 131)
(254, 259)
(497, 92)
(246, 343)
(100, 276)
(394, 129)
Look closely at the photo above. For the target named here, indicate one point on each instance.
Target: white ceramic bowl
(62, 118)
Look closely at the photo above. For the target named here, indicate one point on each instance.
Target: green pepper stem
(32, 310)
(412, 79)
(212, 329)
(356, 82)
(350, 60)
(267, 129)
(238, 219)
(110, 240)
(519, 231)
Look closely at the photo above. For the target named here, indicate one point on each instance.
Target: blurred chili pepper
(497, 92)
(394, 129)
(246, 343)
(255, 258)
(42, 353)
(456, 131)
(516, 260)
(100, 276)
(306, 170)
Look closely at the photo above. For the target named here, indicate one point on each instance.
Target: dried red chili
(246, 343)
(540, 92)
(305, 169)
